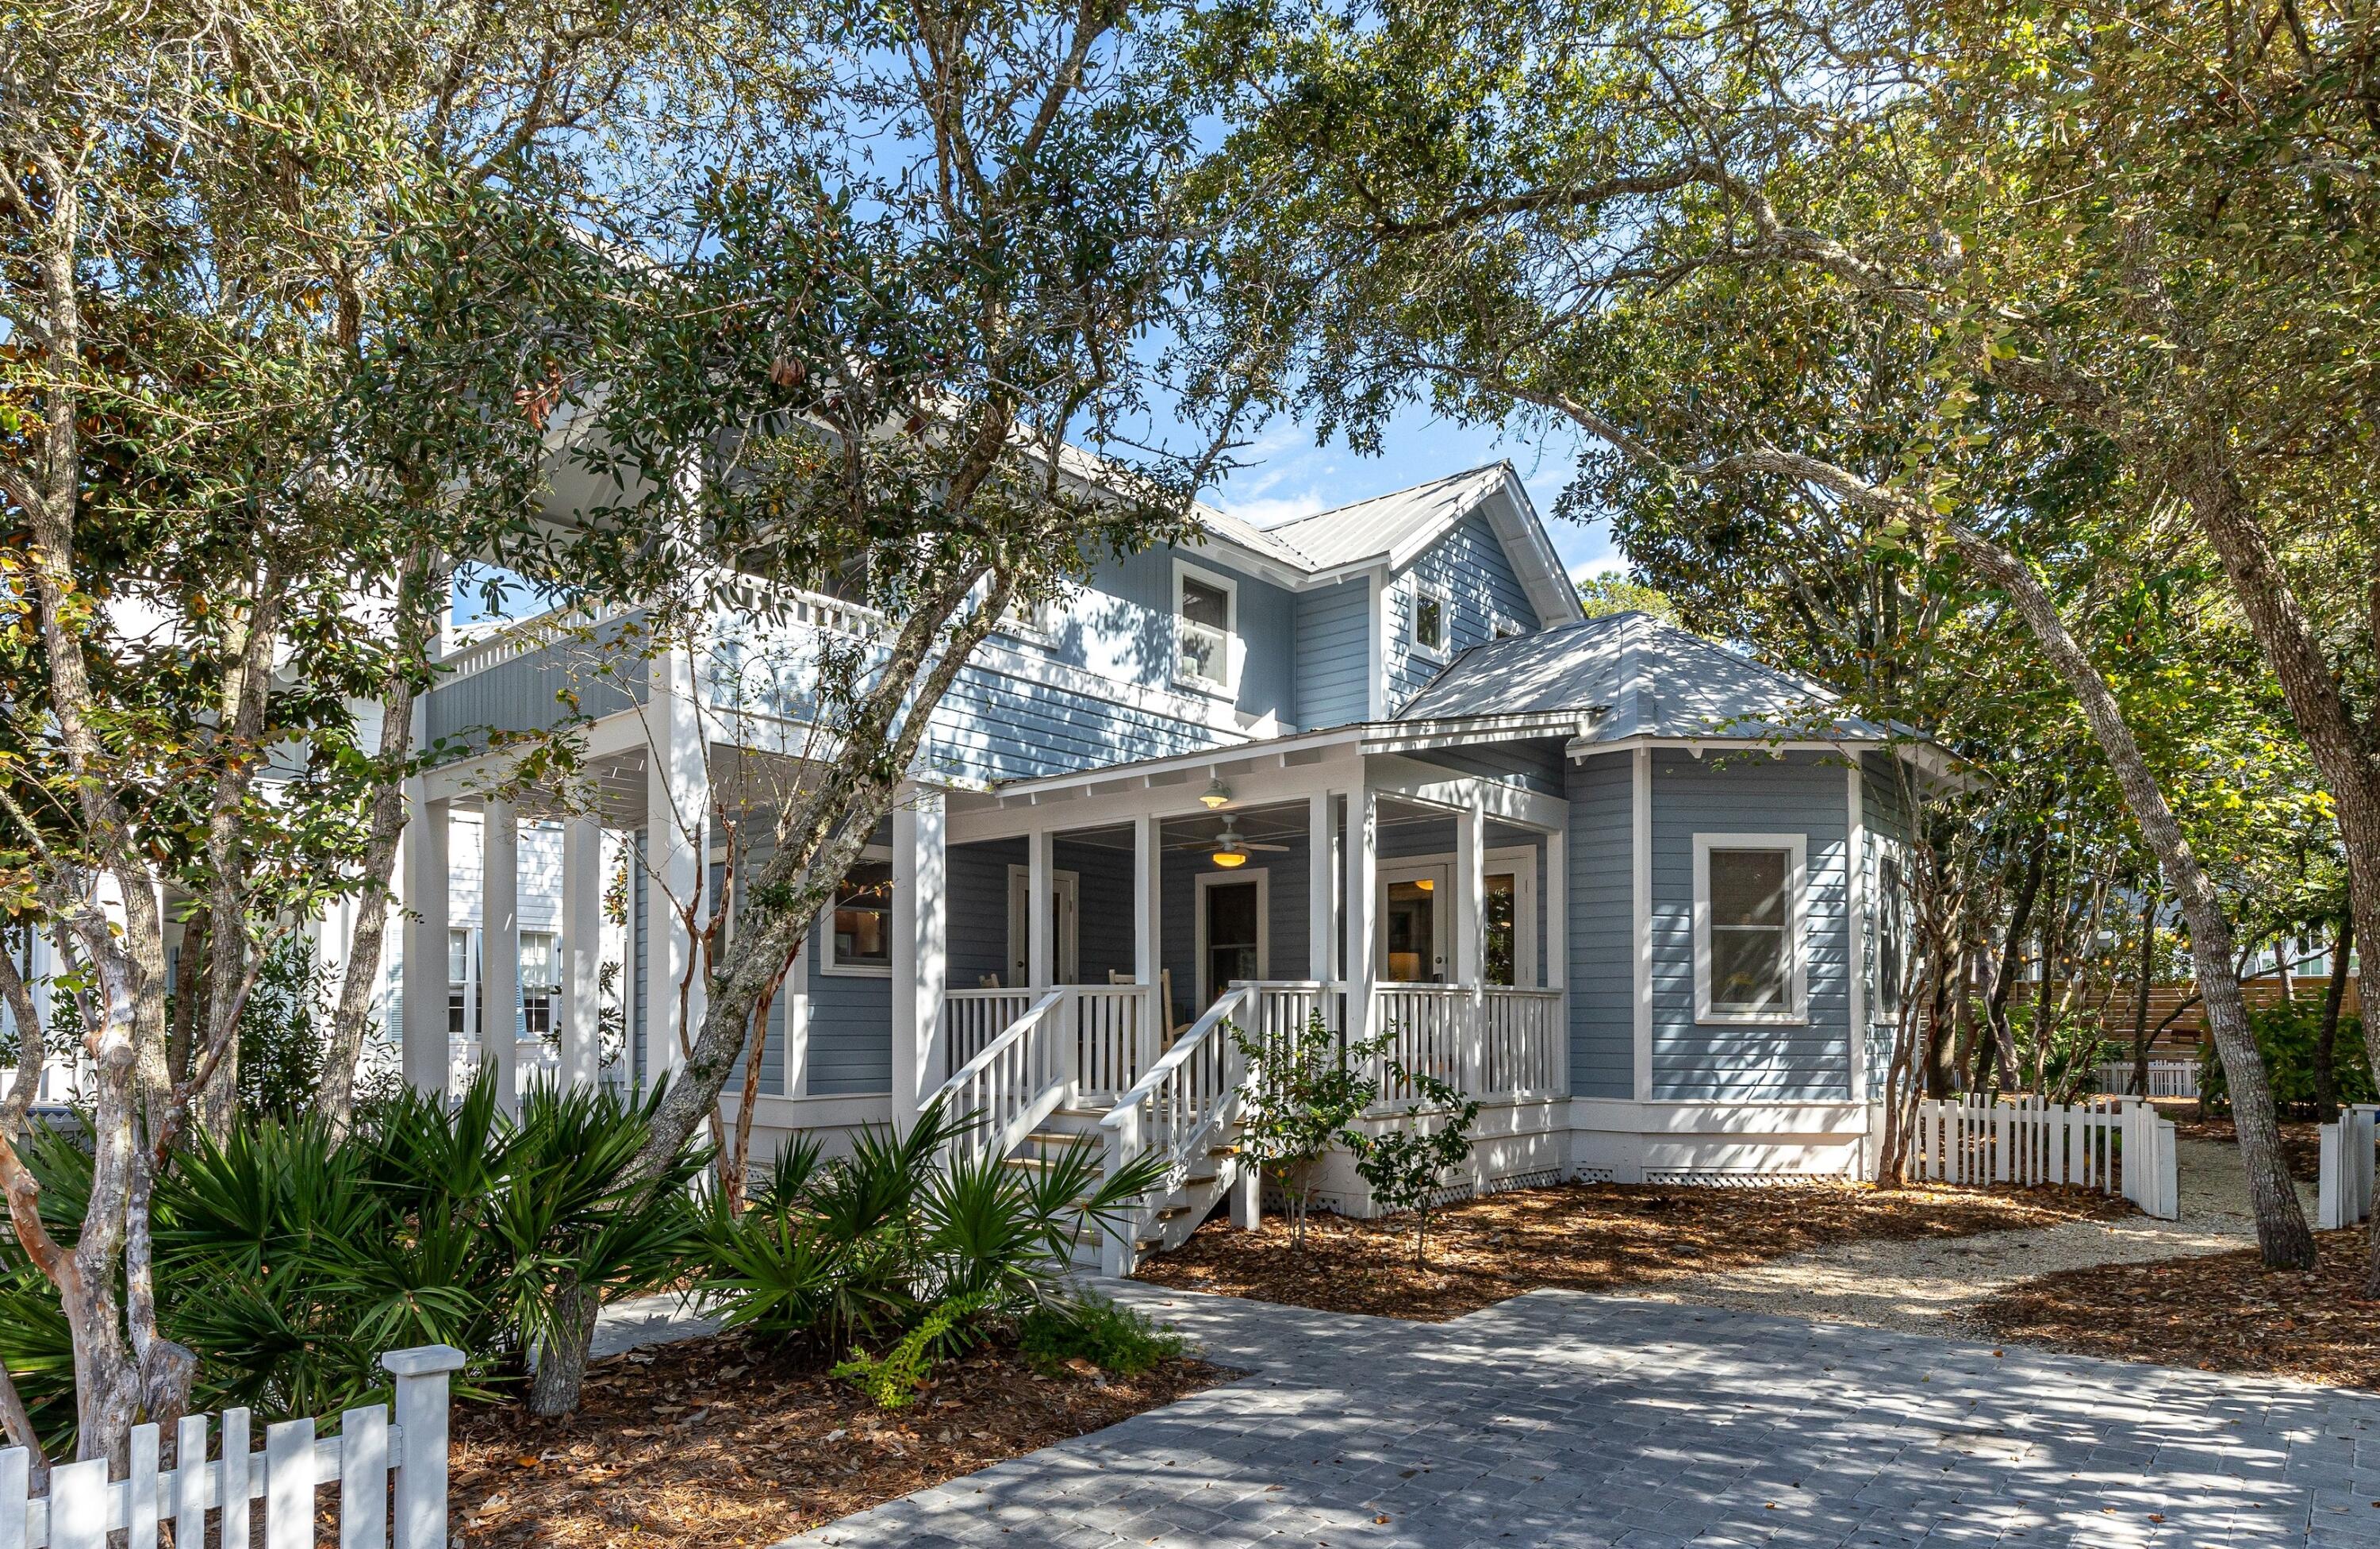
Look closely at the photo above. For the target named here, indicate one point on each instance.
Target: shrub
(1404, 1165)
(1301, 1093)
(2286, 1036)
(858, 1252)
(1110, 1336)
(892, 1380)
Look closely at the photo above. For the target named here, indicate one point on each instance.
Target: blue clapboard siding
(997, 726)
(1602, 937)
(850, 1049)
(1103, 917)
(540, 688)
(1533, 765)
(1334, 656)
(1885, 813)
(1285, 921)
(976, 905)
(1801, 793)
(1470, 565)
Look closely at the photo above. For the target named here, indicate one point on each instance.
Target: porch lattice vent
(1734, 1177)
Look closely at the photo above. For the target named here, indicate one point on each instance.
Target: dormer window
(1205, 629)
(1431, 623)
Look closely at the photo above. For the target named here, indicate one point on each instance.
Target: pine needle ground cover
(723, 1443)
(2217, 1312)
(1587, 1237)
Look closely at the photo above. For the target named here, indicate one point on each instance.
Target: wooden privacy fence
(2115, 1145)
(2343, 1194)
(83, 1507)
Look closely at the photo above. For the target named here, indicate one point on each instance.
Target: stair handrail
(984, 1136)
(1121, 1130)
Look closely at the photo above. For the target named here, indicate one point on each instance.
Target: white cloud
(1611, 566)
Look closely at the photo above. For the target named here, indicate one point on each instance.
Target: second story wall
(1334, 654)
(1468, 571)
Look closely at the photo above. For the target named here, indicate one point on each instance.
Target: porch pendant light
(1216, 794)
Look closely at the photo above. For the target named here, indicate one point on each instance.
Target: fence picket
(289, 1484)
(141, 1490)
(232, 1496)
(16, 1493)
(189, 1483)
(364, 1478)
(79, 1504)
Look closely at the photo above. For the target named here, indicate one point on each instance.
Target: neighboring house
(1620, 879)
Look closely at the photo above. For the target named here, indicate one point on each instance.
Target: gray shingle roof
(1651, 678)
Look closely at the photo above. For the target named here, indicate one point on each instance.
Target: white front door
(1065, 897)
(1417, 915)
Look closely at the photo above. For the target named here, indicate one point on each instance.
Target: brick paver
(1570, 1421)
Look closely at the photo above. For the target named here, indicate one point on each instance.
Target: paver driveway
(1560, 1418)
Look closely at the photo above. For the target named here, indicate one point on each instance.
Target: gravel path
(1932, 1286)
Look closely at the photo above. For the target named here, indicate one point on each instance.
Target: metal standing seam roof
(1387, 524)
(1650, 679)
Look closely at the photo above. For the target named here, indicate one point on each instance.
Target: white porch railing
(1186, 1105)
(972, 1018)
(1012, 1083)
(82, 1507)
(2113, 1145)
(1497, 1043)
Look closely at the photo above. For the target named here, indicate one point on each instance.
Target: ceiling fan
(1232, 850)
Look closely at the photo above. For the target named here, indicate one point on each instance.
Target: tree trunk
(2141, 1006)
(2326, 1038)
(421, 586)
(2281, 1231)
(2000, 1039)
(562, 1355)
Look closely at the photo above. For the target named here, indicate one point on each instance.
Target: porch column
(920, 870)
(1040, 930)
(1320, 884)
(677, 802)
(1148, 879)
(1556, 892)
(582, 950)
(1361, 907)
(425, 939)
(500, 997)
(1470, 896)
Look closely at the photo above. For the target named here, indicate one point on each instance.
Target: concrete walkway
(1568, 1421)
(1931, 1286)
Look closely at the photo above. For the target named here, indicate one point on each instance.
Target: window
(1203, 628)
(1430, 608)
(1747, 927)
(1499, 961)
(540, 972)
(861, 930)
(459, 1020)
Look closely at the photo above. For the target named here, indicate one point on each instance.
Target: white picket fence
(2168, 1077)
(2112, 1144)
(83, 1507)
(2343, 1194)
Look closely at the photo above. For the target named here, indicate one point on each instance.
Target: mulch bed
(1588, 1238)
(714, 1441)
(2221, 1312)
(2301, 1140)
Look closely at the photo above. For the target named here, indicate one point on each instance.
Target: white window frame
(826, 958)
(1797, 957)
(1228, 685)
(1262, 877)
(1443, 595)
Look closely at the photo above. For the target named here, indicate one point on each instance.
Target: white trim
(1857, 880)
(826, 963)
(1419, 590)
(1797, 956)
(1066, 941)
(1226, 687)
(1641, 906)
(1262, 877)
(1376, 644)
(1519, 862)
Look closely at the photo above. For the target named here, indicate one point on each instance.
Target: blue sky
(1288, 475)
